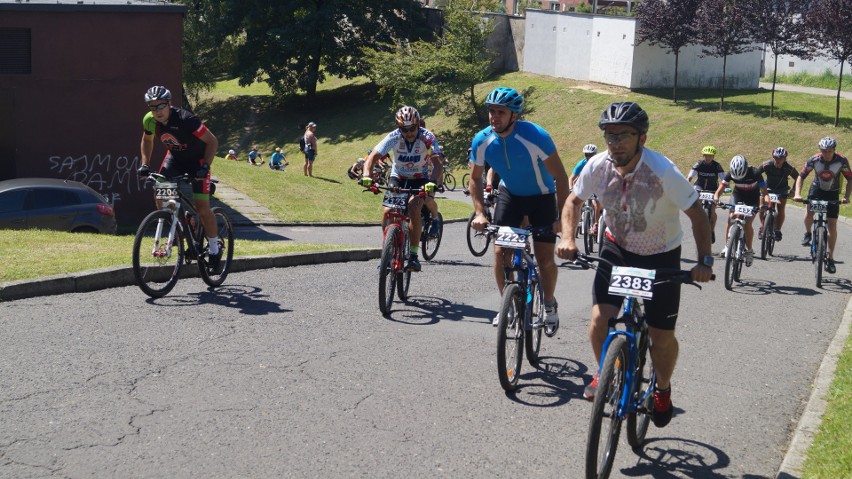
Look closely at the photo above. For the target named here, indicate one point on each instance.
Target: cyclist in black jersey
(747, 187)
(707, 173)
(777, 170)
(191, 148)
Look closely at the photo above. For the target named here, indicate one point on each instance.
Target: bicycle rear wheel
(730, 257)
(510, 336)
(600, 448)
(477, 241)
(450, 181)
(768, 235)
(532, 338)
(740, 258)
(638, 421)
(820, 238)
(587, 226)
(430, 244)
(387, 269)
(226, 246)
(465, 181)
(156, 262)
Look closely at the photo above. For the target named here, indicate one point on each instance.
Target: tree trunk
(839, 85)
(674, 90)
(774, 76)
(724, 70)
(482, 121)
(313, 75)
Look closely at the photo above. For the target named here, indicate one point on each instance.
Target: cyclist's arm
(211, 144)
(437, 169)
(691, 175)
(848, 176)
(701, 232)
(567, 248)
(146, 147)
(571, 180)
(555, 167)
(798, 192)
(719, 190)
(368, 163)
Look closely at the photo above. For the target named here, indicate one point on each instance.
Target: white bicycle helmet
(739, 165)
(779, 152)
(826, 143)
(232, 152)
(407, 116)
(590, 149)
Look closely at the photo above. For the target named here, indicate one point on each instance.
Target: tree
(293, 44)
(723, 31)
(444, 72)
(779, 25)
(669, 24)
(204, 58)
(829, 26)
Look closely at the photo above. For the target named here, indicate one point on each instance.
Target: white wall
(788, 64)
(600, 48)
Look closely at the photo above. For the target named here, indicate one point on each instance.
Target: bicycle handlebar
(376, 189)
(808, 200)
(663, 275)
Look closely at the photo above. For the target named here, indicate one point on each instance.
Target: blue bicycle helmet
(506, 97)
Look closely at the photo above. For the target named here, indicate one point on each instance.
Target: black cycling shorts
(201, 188)
(661, 313)
(540, 209)
(818, 194)
(748, 199)
(407, 183)
(781, 192)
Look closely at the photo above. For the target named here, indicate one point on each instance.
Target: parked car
(53, 204)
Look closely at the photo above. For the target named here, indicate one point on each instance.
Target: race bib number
(635, 282)
(166, 191)
(744, 210)
(395, 200)
(508, 237)
(705, 195)
(773, 197)
(819, 206)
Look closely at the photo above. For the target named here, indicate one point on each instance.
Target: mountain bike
(626, 376)
(172, 235)
(601, 233)
(477, 241)
(430, 243)
(736, 248)
(521, 317)
(584, 227)
(449, 179)
(709, 204)
(767, 242)
(393, 276)
(819, 235)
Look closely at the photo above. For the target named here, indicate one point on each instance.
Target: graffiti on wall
(110, 175)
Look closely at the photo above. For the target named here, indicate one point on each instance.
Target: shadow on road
(424, 310)
(248, 299)
(664, 458)
(764, 287)
(257, 233)
(553, 382)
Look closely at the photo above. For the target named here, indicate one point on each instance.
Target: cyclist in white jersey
(414, 148)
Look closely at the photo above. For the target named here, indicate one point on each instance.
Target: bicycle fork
(167, 251)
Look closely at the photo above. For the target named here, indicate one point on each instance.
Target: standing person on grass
(191, 149)
(310, 141)
(642, 193)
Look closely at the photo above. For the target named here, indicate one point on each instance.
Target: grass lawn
(825, 80)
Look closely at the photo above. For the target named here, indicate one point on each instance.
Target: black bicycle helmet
(158, 93)
(625, 113)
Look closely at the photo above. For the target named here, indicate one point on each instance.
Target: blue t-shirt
(276, 158)
(579, 167)
(518, 158)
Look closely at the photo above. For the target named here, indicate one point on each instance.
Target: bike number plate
(397, 201)
(705, 196)
(166, 191)
(508, 237)
(635, 282)
(819, 206)
(744, 210)
(773, 197)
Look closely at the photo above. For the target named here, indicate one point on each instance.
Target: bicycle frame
(175, 208)
(523, 264)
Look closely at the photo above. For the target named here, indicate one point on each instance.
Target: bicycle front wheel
(601, 234)
(430, 243)
(477, 241)
(466, 181)
(225, 233)
(587, 237)
(601, 445)
(450, 181)
(510, 336)
(156, 261)
(820, 238)
(388, 269)
(768, 235)
(730, 258)
(638, 421)
(532, 338)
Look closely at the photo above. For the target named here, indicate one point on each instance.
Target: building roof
(92, 5)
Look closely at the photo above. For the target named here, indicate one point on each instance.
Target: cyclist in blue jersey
(533, 183)
(589, 151)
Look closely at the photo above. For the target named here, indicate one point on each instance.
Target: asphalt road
(293, 372)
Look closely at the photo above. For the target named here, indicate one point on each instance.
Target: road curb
(320, 224)
(117, 276)
(803, 437)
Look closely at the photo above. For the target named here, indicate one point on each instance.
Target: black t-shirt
(708, 175)
(746, 189)
(181, 135)
(776, 178)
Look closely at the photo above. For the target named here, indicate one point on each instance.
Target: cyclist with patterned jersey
(828, 167)
(589, 151)
(777, 170)
(414, 149)
(190, 150)
(707, 173)
(749, 188)
(533, 183)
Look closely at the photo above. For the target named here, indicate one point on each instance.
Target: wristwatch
(707, 261)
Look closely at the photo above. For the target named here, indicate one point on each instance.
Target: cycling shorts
(752, 200)
(407, 183)
(540, 209)
(662, 313)
(818, 194)
(200, 186)
(781, 192)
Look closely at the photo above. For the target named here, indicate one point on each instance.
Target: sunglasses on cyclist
(158, 106)
(408, 129)
(613, 138)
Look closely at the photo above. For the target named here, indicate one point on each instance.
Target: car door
(12, 214)
(51, 208)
